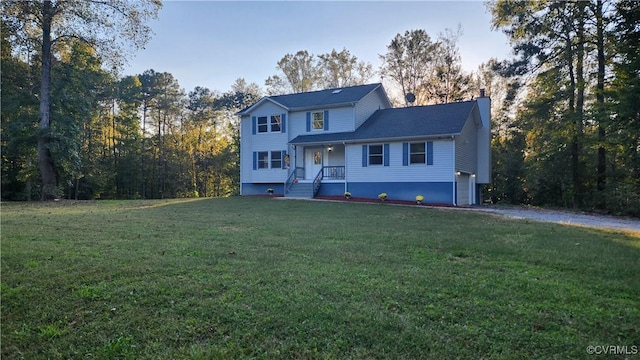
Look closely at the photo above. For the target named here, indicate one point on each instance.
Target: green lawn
(263, 278)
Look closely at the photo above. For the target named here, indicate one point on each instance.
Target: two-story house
(350, 139)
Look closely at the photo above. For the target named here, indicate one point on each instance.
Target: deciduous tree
(112, 27)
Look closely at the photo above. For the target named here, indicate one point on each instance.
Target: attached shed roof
(402, 123)
(321, 98)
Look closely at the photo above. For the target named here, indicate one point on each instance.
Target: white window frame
(422, 153)
(315, 121)
(376, 155)
(275, 120)
(265, 125)
(279, 159)
(262, 161)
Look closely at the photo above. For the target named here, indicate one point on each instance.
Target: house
(328, 142)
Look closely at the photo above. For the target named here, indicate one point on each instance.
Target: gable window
(262, 124)
(417, 153)
(263, 159)
(276, 159)
(276, 123)
(318, 121)
(376, 156)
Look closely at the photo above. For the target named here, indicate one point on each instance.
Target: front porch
(313, 167)
(299, 186)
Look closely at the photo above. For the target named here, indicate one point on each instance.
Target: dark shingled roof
(415, 121)
(325, 97)
(320, 98)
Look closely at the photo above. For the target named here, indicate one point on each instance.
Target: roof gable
(317, 99)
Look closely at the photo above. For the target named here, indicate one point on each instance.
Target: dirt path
(568, 218)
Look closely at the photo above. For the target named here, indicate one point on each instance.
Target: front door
(313, 163)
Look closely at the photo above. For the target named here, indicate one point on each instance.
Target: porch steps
(300, 190)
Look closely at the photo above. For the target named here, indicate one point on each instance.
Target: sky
(212, 43)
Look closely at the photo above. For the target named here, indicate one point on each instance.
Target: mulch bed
(369, 200)
(362, 200)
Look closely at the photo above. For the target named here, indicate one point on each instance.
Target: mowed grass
(263, 278)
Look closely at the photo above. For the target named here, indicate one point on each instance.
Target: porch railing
(295, 174)
(317, 181)
(333, 172)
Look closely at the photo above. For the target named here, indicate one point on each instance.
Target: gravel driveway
(567, 217)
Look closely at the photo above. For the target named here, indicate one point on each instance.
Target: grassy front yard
(263, 278)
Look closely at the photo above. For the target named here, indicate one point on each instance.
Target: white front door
(313, 162)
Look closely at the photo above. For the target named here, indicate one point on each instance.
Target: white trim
(248, 110)
(453, 172)
(346, 167)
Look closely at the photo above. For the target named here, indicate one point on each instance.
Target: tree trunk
(45, 159)
(577, 172)
(143, 172)
(602, 155)
(574, 145)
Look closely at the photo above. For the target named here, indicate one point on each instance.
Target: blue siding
(433, 192)
(331, 189)
(261, 189)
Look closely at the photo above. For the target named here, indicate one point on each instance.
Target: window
(318, 121)
(317, 158)
(417, 153)
(275, 123)
(376, 156)
(276, 160)
(262, 124)
(263, 159)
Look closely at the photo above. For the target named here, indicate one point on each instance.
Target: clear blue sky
(212, 43)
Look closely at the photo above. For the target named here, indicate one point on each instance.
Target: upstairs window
(262, 124)
(318, 121)
(376, 156)
(417, 153)
(276, 123)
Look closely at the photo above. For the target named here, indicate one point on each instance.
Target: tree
(409, 63)
(19, 132)
(449, 82)
(549, 38)
(624, 109)
(432, 71)
(341, 69)
(109, 26)
(240, 96)
(299, 73)
(306, 72)
(77, 142)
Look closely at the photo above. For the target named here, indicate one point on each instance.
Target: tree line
(566, 123)
(568, 134)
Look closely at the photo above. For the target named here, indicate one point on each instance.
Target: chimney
(482, 92)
